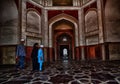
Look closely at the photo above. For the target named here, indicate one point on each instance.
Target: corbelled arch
(58, 18)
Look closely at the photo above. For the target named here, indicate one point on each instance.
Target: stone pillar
(40, 1)
(23, 19)
(103, 52)
(45, 27)
(20, 20)
(77, 53)
(76, 3)
(49, 3)
(45, 32)
(100, 20)
(81, 33)
(101, 26)
(51, 54)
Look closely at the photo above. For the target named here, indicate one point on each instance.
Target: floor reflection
(65, 72)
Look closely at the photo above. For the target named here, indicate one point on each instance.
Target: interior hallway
(89, 72)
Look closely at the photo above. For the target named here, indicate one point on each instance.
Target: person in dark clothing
(35, 65)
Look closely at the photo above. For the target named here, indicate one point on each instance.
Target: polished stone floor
(65, 72)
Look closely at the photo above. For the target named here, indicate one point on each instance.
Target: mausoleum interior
(81, 40)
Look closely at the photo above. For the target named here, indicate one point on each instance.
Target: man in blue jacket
(40, 57)
(20, 55)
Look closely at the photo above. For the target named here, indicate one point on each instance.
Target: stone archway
(64, 41)
(67, 18)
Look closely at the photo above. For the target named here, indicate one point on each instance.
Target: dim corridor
(65, 72)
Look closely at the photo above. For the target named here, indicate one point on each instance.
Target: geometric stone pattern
(85, 72)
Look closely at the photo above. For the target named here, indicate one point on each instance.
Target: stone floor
(87, 72)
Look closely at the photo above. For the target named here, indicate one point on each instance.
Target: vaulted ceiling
(58, 2)
(62, 2)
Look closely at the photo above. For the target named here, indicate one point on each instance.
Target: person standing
(20, 55)
(35, 65)
(65, 53)
(40, 57)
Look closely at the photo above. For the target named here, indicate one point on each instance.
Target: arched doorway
(64, 47)
(63, 33)
(59, 26)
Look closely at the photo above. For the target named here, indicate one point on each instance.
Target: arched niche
(91, 27)
(33, 23)
(91, 21)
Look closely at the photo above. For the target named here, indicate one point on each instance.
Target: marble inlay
(65, 72)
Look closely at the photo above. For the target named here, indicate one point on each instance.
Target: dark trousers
(20, 63)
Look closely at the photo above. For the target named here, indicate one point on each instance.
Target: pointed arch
(58, 18)
(33, 19)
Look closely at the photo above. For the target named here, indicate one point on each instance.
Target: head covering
(34, 46)
(41, 46)
(22, 40)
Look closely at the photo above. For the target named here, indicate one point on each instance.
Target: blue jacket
(21, 50)
(40, 56)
